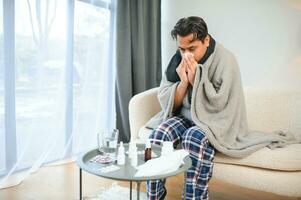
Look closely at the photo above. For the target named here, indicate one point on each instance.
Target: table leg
(138, 190)
(80, 184)
(131, 190)
(185, 176)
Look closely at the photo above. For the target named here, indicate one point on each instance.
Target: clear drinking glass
(107, 142)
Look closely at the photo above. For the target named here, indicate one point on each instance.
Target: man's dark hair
(195, 25)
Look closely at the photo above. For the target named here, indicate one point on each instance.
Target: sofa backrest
(273, 109)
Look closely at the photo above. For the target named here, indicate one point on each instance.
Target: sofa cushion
(285, 183)
(269, 110)
(284, 159)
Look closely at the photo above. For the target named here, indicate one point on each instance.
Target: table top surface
(125, 172)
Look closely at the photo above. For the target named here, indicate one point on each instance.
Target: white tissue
(162, 165)
(187, 54)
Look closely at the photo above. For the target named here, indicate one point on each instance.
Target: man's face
(198, 48)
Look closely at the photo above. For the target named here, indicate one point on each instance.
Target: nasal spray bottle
(134, 157)
(133, 154)
(120, 155)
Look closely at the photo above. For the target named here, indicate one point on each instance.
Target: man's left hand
(191, 66)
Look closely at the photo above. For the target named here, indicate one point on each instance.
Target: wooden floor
(61, 183)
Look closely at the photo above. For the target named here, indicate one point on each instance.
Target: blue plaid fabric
(180, 130)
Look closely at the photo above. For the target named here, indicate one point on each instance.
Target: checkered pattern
(181, 130)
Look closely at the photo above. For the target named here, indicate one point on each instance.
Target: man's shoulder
(222, 52)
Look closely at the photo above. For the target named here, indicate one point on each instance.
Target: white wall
(265, 36)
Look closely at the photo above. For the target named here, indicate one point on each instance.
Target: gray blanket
(218, 108)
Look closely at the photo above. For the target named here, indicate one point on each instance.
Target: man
(203, 108)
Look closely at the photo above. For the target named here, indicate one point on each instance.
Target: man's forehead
(188, 44)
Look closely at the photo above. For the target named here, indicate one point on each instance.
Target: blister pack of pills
(102, 159)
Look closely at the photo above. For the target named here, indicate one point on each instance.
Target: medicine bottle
(147, 151)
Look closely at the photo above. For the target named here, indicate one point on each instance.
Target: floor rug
(116, 192)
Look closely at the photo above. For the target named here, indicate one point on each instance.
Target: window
(40, 36)
(2, 136)
(91, 44)
(63, 79)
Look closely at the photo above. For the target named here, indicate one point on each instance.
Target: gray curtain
(138, 54)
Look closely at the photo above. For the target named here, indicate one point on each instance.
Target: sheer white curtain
(56, 81)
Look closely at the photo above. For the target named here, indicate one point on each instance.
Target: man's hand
(182, 86)
(182, 72)
(191, 66)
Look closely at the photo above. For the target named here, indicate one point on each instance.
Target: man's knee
(159, 134)
(165, 131)
(195, 135)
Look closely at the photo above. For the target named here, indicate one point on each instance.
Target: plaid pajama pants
(180, 130)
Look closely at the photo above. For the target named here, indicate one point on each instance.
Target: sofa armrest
(141, 108)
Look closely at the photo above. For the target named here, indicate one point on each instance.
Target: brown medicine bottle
(147, 151)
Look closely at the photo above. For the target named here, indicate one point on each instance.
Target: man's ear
(207, 40)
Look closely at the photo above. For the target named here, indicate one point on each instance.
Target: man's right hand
(182, 72)
(182, 86)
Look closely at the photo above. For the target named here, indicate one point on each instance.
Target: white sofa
(277, 171)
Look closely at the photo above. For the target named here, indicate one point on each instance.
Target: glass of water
(107, 142)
